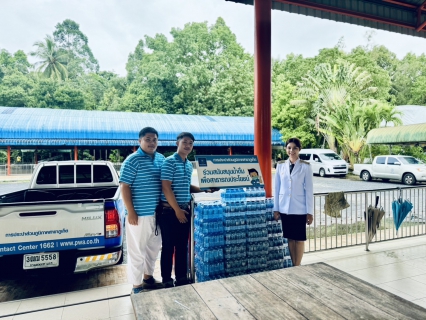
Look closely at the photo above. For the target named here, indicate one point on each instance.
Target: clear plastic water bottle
(242, 194)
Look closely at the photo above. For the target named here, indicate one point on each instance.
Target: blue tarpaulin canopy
(58, 127)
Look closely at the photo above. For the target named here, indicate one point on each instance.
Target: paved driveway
(321, 185)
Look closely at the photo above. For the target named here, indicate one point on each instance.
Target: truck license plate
(41, 260)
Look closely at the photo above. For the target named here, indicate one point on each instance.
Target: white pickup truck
(406, 169)
(70, 218)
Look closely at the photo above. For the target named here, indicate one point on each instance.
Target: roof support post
(8, 161)
(230, 151)
(75, 153)
(262, 90)
(35, 156)
(420, 24)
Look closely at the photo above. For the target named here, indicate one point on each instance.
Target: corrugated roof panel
(80, 127)
(404, 17)
(415, 133)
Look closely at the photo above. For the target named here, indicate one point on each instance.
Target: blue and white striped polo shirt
(179, 172)
(142, 173)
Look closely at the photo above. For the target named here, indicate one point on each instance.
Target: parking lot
(321, 185)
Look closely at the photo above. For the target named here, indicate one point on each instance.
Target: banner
(228, 171)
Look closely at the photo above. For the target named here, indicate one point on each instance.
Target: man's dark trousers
(174, 240)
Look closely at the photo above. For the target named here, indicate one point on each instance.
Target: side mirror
(397, 163)
(316, 159)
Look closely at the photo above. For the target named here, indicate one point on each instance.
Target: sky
(114, 27)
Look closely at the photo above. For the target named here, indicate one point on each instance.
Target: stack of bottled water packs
(278, 252)
(209, 241)
(238, 235)
(235, 223)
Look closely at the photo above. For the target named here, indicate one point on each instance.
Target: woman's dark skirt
(294, 226)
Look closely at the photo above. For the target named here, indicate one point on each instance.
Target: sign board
(228, 171)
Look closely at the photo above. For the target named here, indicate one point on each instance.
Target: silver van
(324, 162)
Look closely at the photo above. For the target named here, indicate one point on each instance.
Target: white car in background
(406, 169)
(324, 162)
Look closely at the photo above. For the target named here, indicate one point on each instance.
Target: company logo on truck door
(35, 233)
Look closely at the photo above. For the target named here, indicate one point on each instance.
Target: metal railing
(351, 227)
(17, 169)
(27, 169)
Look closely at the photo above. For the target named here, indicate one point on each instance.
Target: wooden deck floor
(316, 291)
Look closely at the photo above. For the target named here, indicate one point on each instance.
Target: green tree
(380, 77)
(9, 63)
(43, 93)
(70, 39)
(329, 88)
(115, 156)
(350, 124)
(15, 89)
(291, 120)
(410, 68)
(134, 61)
(53, 61)
(203, 70)
(3, 156)
(69, 97)
(418, 91)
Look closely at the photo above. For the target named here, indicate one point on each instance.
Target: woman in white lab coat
(293, 199)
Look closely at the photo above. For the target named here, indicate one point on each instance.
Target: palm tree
(329, 89)
(52, 60)
(350, 124)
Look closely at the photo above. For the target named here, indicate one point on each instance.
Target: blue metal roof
(58, 127)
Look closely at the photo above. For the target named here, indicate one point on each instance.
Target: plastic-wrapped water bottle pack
(209, 241)
(238, 235)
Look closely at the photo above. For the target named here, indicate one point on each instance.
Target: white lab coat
(294, 194)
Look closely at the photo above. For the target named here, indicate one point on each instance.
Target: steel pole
(262, 90)
(366, 222)
(191, 244)
(8, 161)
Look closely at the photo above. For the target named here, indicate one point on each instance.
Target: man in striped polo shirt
(175, 219)
(141, 189)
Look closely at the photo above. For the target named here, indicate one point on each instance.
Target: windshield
(330, 156)
(409, 160)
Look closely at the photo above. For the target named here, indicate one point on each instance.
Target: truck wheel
(322, 172)
(409, 179)
(366, 176)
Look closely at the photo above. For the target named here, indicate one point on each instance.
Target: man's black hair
(185, 134)
(253, 170)
(146, 130)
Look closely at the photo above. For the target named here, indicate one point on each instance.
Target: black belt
(167, 205)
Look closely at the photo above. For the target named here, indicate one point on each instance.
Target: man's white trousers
(143, 247)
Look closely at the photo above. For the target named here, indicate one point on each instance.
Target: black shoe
(169, 284)
(181, 282)
(151, 283)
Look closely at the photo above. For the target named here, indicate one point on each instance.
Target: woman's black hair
(295, 141)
